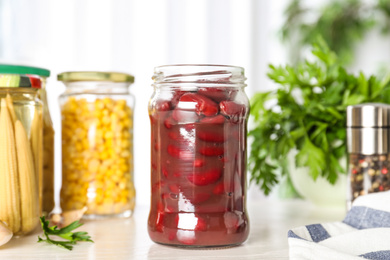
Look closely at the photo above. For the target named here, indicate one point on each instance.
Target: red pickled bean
(180, 153)
(212, 151)
(205, 178)
(219, 119)
(211, 136)
(201, 104)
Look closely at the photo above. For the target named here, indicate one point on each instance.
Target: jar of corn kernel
(97, 144)
(368, 146)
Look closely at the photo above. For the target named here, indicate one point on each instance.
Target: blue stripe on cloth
(378, 255)
(317, 232)
(363, 217)
(293, 235)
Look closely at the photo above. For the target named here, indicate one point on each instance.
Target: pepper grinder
(368, 148)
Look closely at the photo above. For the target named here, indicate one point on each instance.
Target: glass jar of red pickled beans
(198, 116)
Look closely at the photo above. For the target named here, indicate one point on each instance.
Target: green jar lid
(73, 76)
(26, 70)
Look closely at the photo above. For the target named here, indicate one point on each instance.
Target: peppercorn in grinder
(368, 148)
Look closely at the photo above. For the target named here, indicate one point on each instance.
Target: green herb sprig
(306, 114)
(66, 233)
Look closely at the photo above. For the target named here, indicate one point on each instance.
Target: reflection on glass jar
(20, 151)
(97, 144)
(198, 116)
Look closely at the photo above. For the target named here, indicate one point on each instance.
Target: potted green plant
(343, 24)
(304, 118)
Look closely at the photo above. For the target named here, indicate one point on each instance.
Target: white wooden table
(128, 238)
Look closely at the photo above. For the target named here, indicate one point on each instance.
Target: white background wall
(134, 36)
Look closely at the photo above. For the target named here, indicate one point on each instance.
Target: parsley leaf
(312, 157)
(66, 233)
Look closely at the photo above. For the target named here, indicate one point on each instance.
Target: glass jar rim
(77, 76)
(205, 74)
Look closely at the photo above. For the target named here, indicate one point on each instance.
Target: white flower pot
(320, 191)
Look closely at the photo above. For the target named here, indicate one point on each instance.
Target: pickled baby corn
(36, 138)
(37, 148)
(9, 181)
(10, 106)
(19, 204)
(28, 186)
(48, 167)
(48, 157)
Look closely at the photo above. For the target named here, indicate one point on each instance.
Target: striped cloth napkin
(363, 234)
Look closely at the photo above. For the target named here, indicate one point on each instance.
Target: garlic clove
(5, 233)
(67, 217)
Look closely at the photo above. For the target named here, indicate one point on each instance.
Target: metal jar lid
(368, 115)
(73, 76)
(368, 128)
